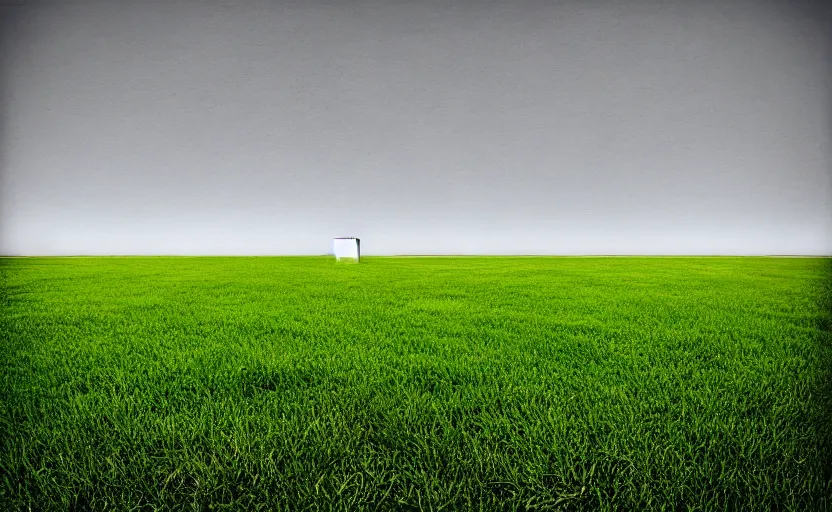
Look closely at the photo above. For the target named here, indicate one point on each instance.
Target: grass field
(416, 383)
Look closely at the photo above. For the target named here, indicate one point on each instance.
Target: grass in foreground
(416, 383)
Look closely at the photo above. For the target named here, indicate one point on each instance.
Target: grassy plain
(488, 383)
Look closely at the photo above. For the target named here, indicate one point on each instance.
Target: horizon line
(419, 256)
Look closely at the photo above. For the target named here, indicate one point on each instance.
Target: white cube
(346, 248)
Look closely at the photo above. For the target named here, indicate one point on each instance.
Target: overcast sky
(422, 127)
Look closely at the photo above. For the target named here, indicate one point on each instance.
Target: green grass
(416, 383)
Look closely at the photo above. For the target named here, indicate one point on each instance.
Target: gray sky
(430, 127)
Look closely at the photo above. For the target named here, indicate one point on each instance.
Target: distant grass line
(429, 383)
(811, 256)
